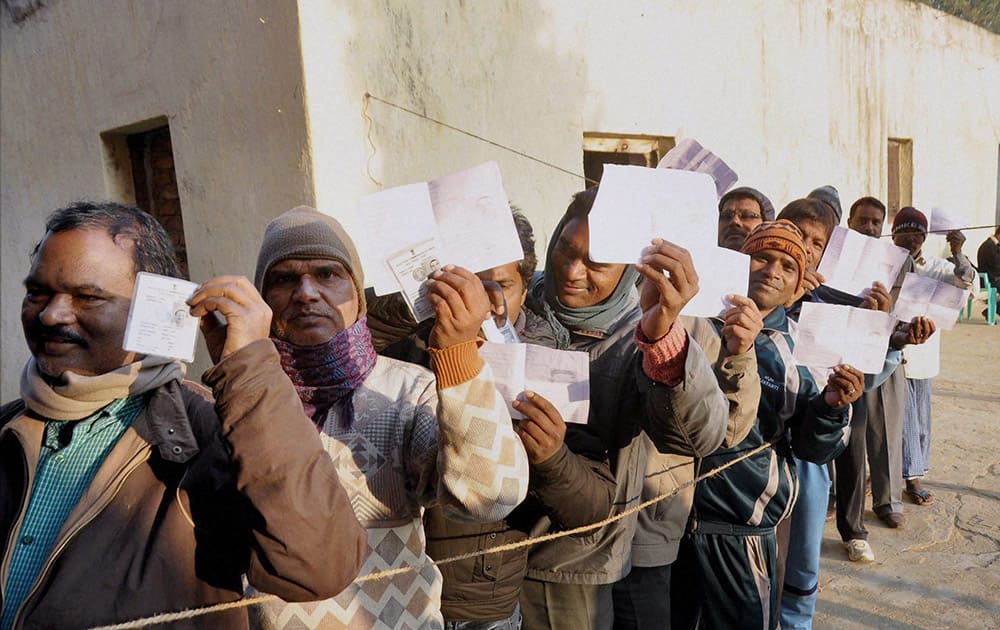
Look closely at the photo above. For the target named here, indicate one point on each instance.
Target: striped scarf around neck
(327, 373)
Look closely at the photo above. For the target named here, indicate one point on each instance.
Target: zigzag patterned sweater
(413, 443)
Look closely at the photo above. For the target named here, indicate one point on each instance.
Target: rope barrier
(383, 575)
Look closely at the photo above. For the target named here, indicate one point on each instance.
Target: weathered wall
(226, 75)
(507, 71)
(793, 94)
(800, 94)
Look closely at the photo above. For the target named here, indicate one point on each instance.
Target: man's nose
(306, 291)
(773, 269)
(58, 311)
(576, 269)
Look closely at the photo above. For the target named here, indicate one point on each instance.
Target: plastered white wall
(266, 104)
(795, 95)
(509, 72)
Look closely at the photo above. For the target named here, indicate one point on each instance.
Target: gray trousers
(885, 406)
(876, 431)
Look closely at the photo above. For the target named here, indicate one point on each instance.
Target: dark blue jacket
(758, 491)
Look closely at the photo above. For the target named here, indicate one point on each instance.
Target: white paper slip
(942, 220)
(560, 376)
(853, 261)
(635, 204)
(466, 214)
(721, 272)
(925, 297)
(411, 268)
(499, 334)
(391, 221)
(690, 155)
(159, 319)
(831, 334)
(475, 228)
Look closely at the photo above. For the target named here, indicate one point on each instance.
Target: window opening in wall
(140, 170)
(900, 170)
(610, 148)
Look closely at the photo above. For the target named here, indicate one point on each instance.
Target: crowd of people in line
(337, 437)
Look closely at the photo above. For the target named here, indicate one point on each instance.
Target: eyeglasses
(729, 215)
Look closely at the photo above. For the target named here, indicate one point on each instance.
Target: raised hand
(662, 297)
(845, 385)
(955, 239)
(812, 279)
(543, 429)
(248, 317)
(920, 331)
(877, 298)
(460, 304)
(742, 324)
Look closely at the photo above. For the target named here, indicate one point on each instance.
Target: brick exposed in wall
(155, 182)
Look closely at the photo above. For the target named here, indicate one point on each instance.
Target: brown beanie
(304, 233)
(781, 235)
(909, 219)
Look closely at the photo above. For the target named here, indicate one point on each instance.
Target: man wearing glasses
(741, 210)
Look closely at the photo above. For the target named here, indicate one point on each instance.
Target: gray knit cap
(829, 196)
(304, 233)
(766, 207)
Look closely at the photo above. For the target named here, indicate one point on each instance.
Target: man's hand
(914, 333)
(743, 324)
(812, 279)
(920, 331)
(543, 430)
(460, 303)
(846, 385)
(660, 297)
(248, 317)
(955, 239)
(878, 298)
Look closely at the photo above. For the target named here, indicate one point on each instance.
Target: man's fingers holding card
(248, 318)
(460, 303)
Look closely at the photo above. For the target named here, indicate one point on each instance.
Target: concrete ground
(943, 569)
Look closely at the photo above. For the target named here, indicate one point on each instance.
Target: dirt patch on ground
(943, 569)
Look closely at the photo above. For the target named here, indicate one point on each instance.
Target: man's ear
(524, 296)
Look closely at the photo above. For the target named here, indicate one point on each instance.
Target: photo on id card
(411, 267)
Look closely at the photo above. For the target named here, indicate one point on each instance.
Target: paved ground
(943, 569)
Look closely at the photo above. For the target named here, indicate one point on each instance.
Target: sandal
(919, 496)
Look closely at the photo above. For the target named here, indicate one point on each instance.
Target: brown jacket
(190, 500)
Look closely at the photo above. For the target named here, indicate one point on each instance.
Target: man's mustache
(58, 334)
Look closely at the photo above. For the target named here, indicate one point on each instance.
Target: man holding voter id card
(402, 437)
(664, 389)
(729, 553)
(124, 491)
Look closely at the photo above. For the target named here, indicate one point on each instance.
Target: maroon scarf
(331, 371)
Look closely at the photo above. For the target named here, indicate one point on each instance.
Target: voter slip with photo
(408, 232)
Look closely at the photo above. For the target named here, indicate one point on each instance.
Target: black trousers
(724, 578)
(642, 599)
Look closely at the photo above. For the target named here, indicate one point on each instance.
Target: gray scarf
(544, 300)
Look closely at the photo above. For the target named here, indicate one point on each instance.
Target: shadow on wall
(503, 71)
